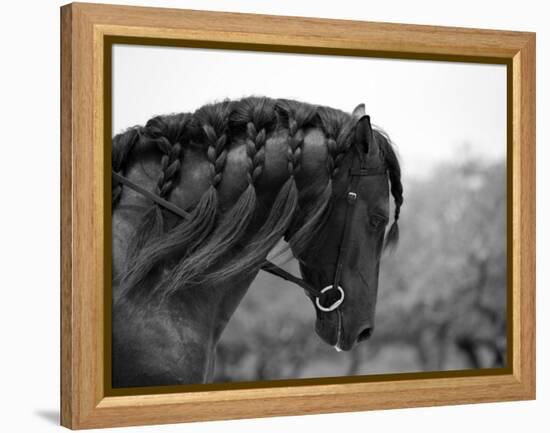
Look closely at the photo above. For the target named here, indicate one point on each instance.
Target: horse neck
(175, 343)
(190, 324)
(274, 189)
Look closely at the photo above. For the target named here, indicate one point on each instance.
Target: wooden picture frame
(87, 32)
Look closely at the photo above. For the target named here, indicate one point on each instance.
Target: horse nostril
(364, 334)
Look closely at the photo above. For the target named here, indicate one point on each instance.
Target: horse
(200, 199)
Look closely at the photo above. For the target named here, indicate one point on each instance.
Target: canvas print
(286, 216)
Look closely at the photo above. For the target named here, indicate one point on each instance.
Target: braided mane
(211, 234)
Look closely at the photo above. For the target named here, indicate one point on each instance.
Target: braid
(338, 142)
(337, 127)
(167, 133)
(295, 144)
(256, 116)
(334, 157)
(255, 152)
(396, 188)
(216, 153)
(298, 117)
(170, 166)
(121, 148)
(214, 121)
(397, 193)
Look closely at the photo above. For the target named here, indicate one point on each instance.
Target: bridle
(272, 268)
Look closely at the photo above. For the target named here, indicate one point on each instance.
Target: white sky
(431, 110)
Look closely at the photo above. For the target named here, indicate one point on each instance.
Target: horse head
(344, 260)
(208, 195)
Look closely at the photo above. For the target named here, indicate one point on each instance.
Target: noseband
(272, 268)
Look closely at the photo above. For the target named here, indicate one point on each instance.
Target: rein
(271, 267)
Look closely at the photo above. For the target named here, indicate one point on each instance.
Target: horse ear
(364, 136)
(359, 111)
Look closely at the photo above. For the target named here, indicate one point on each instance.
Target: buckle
(352, 197)
(335, 304)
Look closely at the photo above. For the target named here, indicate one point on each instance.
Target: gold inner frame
(108, 42)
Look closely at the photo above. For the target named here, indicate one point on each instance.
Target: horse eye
(376, 221)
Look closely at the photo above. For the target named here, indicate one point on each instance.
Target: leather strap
(273, 269)
(157, 199)
(351, 198)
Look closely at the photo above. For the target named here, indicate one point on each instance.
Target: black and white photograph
(275, 216)
(288, 216)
